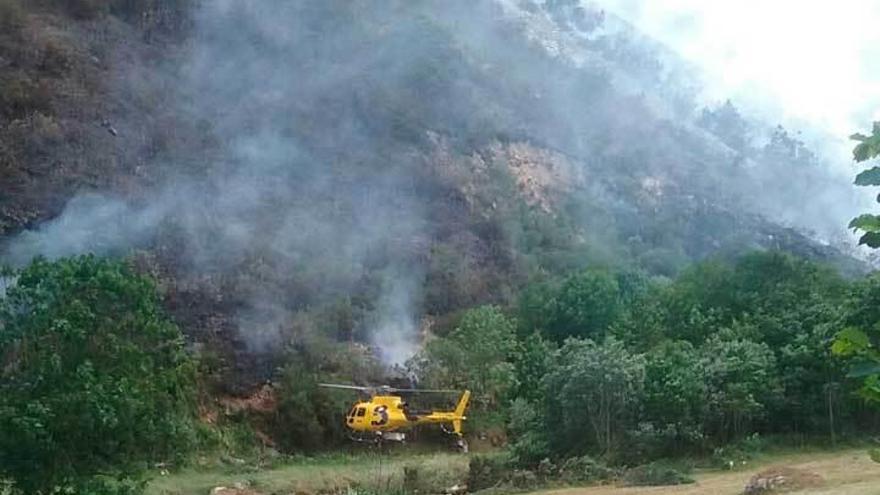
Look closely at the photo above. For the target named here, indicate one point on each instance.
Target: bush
(738, 453)
(648, 441)
(529, 443)
(7, 488)
(658, 474)
(592, 393)
(523, 479)
(94, 378)
(486, 471)
(20, 96)
(585, 469)
(12, 17)
(101, 485)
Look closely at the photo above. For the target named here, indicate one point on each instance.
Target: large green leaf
(869, 146)
(866, 222)
(863, 369)
(871, 388)
(870, 177)
(850, 340)
(871, 239)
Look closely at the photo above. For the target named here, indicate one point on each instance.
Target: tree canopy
(95, 378)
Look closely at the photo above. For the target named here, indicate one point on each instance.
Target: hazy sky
(810, 60)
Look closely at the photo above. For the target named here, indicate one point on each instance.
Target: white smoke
(6, 283)
(396, 331)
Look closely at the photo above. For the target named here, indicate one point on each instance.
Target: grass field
(379, 473)
(848, 472)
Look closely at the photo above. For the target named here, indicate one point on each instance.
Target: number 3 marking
(382, 411)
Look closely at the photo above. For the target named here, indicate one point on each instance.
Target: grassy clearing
(848, 472)
(844, 472)
(382, 473)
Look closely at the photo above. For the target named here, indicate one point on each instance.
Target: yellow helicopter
(385, 414)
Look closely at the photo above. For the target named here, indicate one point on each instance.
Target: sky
(790, 60)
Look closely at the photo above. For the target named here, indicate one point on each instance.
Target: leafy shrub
(529, 443)
(592, 393)
(658, 474)
(94, 377)
(102, 485)
(653, 441)
(475, 356)
(486, 471)
(738, 453)
(585, 469)
(585, 305)
(12, 16)
(523, 479)
(7, 487)
(20, 96)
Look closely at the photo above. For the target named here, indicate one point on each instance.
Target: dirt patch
(781, 479)
(541, 175)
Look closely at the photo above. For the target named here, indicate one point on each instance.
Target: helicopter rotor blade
(386, 389)
(345, 387)
(421, 390)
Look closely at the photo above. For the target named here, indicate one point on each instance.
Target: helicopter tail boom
(459, 411)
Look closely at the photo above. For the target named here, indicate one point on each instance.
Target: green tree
(309, 417)
(95, 379)
(868, 149)
(742, 382)
(674, 395)
(529, 443)
(532, 361)
(592, 394)
(698, 301)
(478, 355)
(816, 395)
(861, 339)
(585, 305)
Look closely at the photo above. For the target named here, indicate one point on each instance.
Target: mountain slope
(363, 172)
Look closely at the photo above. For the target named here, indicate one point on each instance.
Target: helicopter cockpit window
(351, 413)
(362, 411)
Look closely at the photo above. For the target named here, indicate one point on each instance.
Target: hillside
(222, 222)
(366, 172)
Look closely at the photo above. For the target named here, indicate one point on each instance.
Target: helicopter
(384, 414)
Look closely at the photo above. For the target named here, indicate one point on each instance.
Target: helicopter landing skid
(460, 443)
(379, 438)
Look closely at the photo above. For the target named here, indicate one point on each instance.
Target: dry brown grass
(844, 473)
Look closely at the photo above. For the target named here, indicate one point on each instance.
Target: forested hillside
(520, 198)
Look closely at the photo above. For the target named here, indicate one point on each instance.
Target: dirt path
(844, 473)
